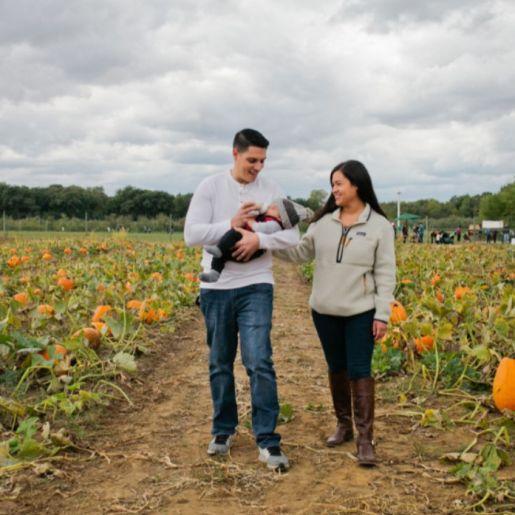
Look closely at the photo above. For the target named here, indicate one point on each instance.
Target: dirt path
(151, 458)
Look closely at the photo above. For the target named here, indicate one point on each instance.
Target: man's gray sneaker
(213, 250)
(274, 458)
(220, 445)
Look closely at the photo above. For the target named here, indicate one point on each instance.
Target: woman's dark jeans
(348, 342)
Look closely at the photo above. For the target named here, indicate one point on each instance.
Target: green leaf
(481, 353)
(431, 418)
(4, 351)
(28, 427)
(491, 459)
(125, 361)
(502, 327)
(286, 413)
(445, 331)
(116, 326)
(31, 448)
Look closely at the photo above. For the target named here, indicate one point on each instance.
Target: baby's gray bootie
(213, 250)
(209, 277)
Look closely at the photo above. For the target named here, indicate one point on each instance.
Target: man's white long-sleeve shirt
(215, 201)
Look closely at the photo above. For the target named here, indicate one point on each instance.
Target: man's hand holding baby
(246, 212)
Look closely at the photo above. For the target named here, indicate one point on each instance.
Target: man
(241, 300)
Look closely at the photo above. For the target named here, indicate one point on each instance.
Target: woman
(352, 244)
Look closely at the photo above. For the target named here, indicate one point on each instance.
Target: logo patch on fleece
(361, 233)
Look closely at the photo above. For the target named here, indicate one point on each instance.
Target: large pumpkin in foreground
(504, 385)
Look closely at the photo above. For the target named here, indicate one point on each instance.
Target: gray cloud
(149, 94)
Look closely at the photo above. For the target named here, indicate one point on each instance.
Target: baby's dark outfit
(231, 237)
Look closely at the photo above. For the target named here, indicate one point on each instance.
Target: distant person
(351, 295)
(433, 236)
(488, 236)
(457, 232)
(415, 233)
(240, 302)
(281, 214)
(421, 230)
(494, 235)
(405, 232)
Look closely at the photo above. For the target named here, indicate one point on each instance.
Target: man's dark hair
(249, 138)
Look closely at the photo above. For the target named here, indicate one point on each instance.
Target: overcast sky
(150, 93)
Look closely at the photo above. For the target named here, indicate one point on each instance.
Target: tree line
(60, 202)
(468, 208)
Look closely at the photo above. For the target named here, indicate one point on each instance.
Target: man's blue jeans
(247, 311)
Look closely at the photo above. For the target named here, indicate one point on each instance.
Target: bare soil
(151, 458)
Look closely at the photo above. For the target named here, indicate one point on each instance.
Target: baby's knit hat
(291, 212)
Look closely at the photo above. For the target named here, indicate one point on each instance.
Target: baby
(281, 214)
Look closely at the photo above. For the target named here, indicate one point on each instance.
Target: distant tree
(316, 199)
(499, 206)
(17, 201)
(182, 201)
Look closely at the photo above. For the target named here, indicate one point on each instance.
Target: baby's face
(273, 211)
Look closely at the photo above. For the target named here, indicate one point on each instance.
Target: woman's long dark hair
(358, 176)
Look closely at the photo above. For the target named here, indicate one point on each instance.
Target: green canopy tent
(408, 217)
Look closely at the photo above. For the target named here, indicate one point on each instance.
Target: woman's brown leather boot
(363, 399)
(340, 391)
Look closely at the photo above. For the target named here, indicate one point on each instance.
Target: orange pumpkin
(68, 251)
(46, 256)
(436, 279)
(100, 312)
(21, 297)
(134, 304)
(65, 283)
(460, 291)
(92, 334)
(424, 343)
(13, 261)
(102, 328)
(58, 349)
(45, 309)
(398, 313)
(440, 296)
(503, 389)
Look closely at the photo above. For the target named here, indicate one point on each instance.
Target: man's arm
(198, 226)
